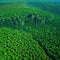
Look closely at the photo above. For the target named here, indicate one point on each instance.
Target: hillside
(18, 45)
(52, 7)
(29, 33)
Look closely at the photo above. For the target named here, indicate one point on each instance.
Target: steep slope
(23, 16)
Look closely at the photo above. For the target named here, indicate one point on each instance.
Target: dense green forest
(29, 32)
(51, 7)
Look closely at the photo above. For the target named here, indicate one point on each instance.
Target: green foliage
(52, 7)
(18, 45)
(34, 26)
(48, 38)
